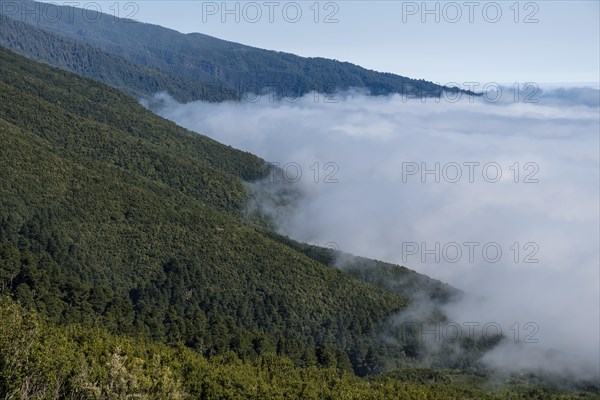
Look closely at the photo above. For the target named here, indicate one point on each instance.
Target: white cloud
(373, 210)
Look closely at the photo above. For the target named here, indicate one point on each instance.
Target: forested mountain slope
(189, 66)
(110, 215)
(85, 60)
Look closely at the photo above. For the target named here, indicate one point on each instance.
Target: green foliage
(42, 361)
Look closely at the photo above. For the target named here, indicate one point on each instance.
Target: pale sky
(541, 41)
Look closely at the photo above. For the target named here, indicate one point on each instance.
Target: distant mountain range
(142, 59)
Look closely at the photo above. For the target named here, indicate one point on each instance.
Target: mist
(499, 199)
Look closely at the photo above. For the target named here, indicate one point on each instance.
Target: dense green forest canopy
(74, 362)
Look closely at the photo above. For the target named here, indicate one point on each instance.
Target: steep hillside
(154, 51)
(87, 61)
(110, 215)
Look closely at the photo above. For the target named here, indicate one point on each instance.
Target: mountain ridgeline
(85, 60)
(142, 59)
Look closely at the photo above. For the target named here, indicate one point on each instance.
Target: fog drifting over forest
(498, 199)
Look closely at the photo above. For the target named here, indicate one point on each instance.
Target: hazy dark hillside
(226, 66)
(87, 61)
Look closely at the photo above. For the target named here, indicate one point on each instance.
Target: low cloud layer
(499, 200)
